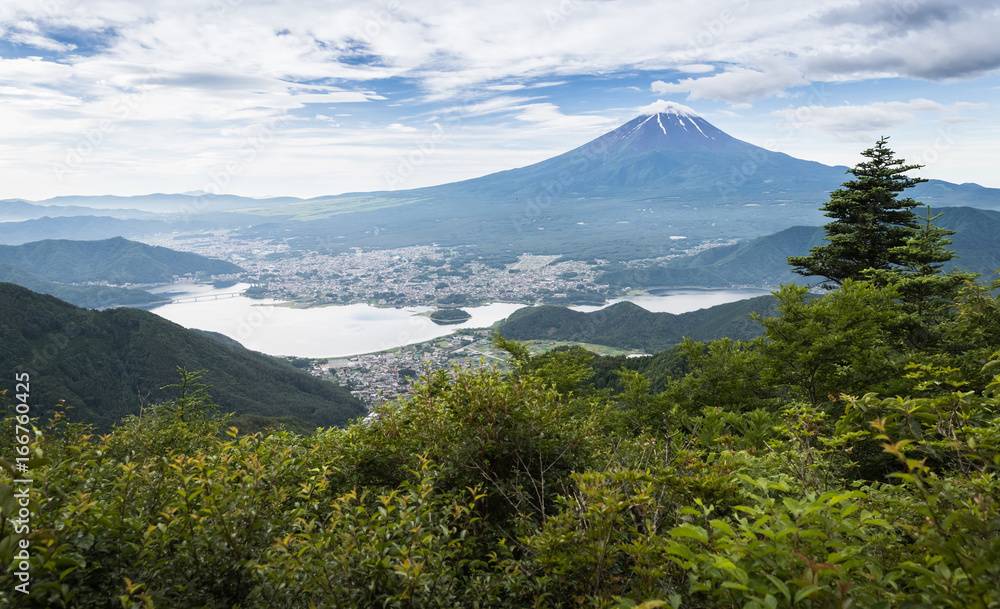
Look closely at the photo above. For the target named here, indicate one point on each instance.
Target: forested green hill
(115, 260)
(107, 364)
(89, 296)
(629, 326)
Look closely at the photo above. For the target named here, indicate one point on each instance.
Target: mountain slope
(629, 326)
(184, 204)
(16, 210)
(89, 296)
(671, 153)
(763, 262)
(107, 364)
(115, 260)
(628, 194)
(620, 196)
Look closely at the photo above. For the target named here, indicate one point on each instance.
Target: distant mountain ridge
(621, 196)
(628, 326)
(181, 203)
(108, 364)
(17, 210)
(116, 260)
(763, 262)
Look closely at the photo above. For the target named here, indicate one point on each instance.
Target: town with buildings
(418, 275)
(380, 377)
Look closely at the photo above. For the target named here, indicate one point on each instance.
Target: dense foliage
(830, 463)
(449, 316)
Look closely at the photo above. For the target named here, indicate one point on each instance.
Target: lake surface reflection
(342, 330)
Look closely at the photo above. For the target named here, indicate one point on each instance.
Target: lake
(343, 330)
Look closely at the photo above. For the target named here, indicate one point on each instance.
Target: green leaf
(806, 591)
(722, 526)
(680, 550)
(8, 504)
(7, 546)
(780, 585)
(690, 530)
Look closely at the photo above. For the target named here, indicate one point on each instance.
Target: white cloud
(736, 85)
(39, 42)
(858, 122)
(549, 116)
(696, 68)
(400, 128)
(175, 74)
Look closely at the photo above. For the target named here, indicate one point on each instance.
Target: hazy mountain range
(634, 192)
(763, 262)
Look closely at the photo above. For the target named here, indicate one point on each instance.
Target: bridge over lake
(180, 300)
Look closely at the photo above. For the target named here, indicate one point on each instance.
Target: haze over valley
(666, 200)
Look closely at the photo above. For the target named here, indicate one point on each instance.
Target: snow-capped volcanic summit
(668, 107)
(668, 147)
(667, 172)
(663, 125)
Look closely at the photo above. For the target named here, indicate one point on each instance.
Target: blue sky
(306, 98)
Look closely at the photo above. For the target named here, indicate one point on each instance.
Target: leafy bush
(528, 488)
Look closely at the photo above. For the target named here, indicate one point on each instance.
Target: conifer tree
(921, 284)
(871, 224)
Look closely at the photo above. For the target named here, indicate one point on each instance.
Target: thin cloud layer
(860, 123)
(93, 78)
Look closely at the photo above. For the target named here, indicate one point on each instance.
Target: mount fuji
(663, 182)
(657, 185)
(672, 152)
